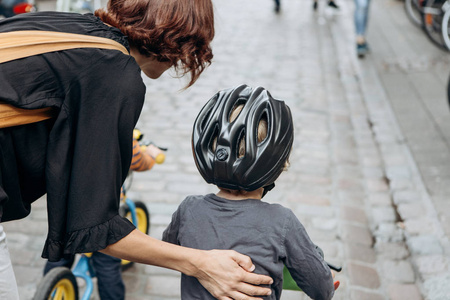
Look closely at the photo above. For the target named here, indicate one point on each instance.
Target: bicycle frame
(84, 270)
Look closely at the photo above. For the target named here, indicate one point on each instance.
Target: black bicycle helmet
(263, 161)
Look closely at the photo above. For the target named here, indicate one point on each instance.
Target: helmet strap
(267, 188)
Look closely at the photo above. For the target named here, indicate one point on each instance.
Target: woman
(80, 157)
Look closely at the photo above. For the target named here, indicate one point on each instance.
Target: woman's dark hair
(176, 31)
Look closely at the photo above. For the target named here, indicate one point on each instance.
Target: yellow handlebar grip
(159, 159)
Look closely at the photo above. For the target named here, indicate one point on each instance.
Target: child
(241, 141)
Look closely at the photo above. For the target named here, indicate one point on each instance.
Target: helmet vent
(262, 129)
(203, 122)
(241, 142)
(236, 110)
(213, 142)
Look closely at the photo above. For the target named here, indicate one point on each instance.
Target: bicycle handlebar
(333, 267)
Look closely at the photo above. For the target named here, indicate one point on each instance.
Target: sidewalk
(370, 168)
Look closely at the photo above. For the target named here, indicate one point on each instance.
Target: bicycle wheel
(58, 284)
(414, 11)
(445, 27)
(143, 225)
(432, 21)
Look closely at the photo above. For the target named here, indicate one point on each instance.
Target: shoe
(315, 5)
(362, 50)
(333, 5)
(277, 8)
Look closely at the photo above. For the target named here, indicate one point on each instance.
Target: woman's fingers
(247, 291)
(244, 261)
(256, 279)
(224, 275)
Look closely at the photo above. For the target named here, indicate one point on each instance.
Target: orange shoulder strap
(20, 44)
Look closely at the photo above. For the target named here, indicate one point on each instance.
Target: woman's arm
(224, 273)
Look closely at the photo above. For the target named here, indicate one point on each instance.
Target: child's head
(242, 139)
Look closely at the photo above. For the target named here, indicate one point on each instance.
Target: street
(370, 166)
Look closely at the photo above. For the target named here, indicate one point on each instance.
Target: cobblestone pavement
(370, 169)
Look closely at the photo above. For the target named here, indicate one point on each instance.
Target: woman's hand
(226, 274)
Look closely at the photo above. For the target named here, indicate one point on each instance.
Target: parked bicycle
(433, 13)
(430, 15)
(60, 283)
(414, 11)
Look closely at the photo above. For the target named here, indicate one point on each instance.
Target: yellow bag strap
(20, 44)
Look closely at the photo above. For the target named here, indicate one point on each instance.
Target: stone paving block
(351, 197)
(314, 179)
(13, 239)
(398, 172)
(314, 210)
(26, 275)
(410, 210)
(392, 250)
(424, 245)
(312, 200)
(419, 226)
(353, 214)
(437, 287)
(133, 282)
(404, 291)
(321, 235)
(325, 223)
(160, 197)
(388, 232)
(405, 196)
(373, 172)
(400, 184)
(361, 253)
(377, 185)
(398, 271)
(396, 160)
(356, 234)
(379, 199)
(22, 256)
(364, 276)
(293, 295)
(431, 265)
(370, 161)
(167, 286)
(384, 214)
(349, 183)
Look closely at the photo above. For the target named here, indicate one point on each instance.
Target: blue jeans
(108, 271)
(361, 16)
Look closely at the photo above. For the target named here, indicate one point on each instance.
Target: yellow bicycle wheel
(58, 284)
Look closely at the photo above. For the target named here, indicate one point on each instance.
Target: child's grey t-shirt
(269, 233)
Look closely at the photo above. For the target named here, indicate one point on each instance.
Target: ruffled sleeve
(93, 238)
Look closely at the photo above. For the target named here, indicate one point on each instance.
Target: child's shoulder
(192, 199)
(278, 210)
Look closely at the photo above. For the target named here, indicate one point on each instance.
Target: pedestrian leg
(8, 284)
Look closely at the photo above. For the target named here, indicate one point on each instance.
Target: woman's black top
(81, 157)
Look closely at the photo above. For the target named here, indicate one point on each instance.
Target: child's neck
(240, 195)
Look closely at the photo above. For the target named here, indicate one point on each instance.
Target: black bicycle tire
(413, 12)
(445, 29)
(51, 279)
(125, 210)
(434, 34)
